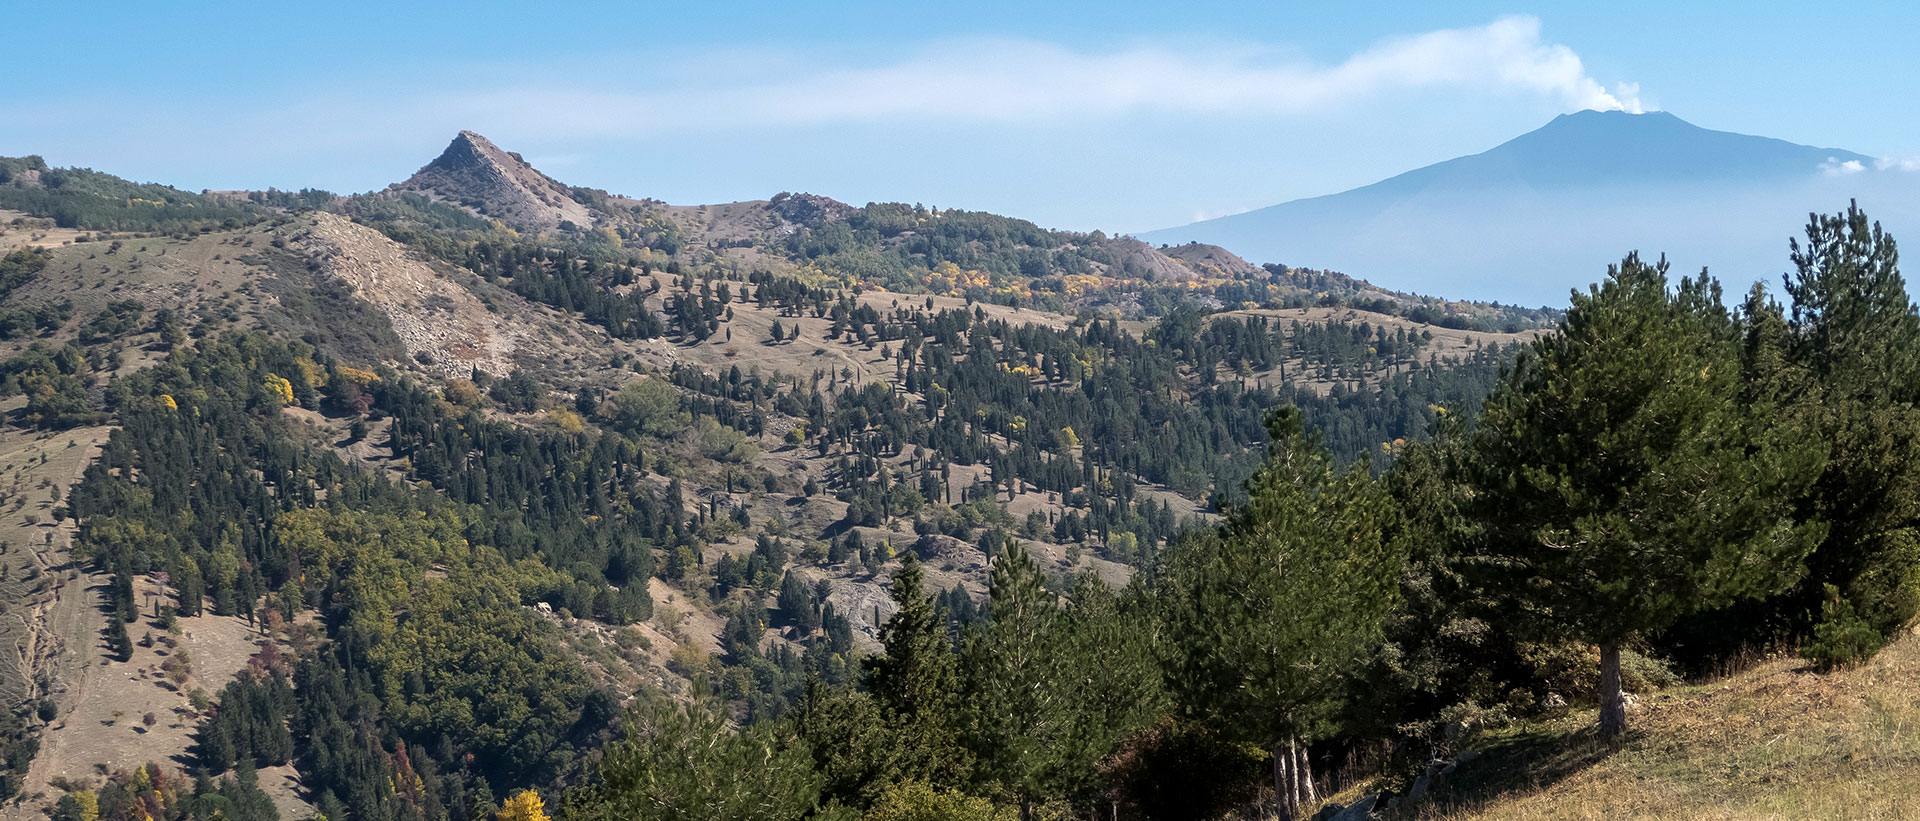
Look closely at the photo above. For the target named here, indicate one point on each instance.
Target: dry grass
(33, 232)
(1776, 741)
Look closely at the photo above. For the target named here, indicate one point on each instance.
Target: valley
(398, 504)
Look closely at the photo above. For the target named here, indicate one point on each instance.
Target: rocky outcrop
(949, 553)
(444, 327)
(1360, 810)
(479, 175)
(1423, 786)
(1211, 261)
(810, 210)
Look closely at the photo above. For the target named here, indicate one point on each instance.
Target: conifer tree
(688, 765)
(1623, 479)
(915, 684)
(796, 604)
(117, 640)
(1275, 610)
(1013, 668)
(1111, 679)
(1856, 334)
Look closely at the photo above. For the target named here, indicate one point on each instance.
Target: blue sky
(1121, 116)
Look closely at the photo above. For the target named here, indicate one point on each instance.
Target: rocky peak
(493, 182)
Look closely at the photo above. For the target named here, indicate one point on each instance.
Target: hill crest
(497, 183)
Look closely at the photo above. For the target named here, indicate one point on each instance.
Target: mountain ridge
(1549, 208)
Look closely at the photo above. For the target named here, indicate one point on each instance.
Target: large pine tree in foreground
(1625, 478)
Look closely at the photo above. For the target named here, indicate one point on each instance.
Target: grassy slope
(1775, 741)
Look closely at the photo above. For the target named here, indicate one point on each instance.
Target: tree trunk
(1303, 772)
(1283, 782)
(1293, 775)
(1613, 704)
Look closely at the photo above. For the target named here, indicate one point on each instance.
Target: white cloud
(1897, 164)
(1627, 97)
(1833, 167)
(1204, 214)
(999, 81)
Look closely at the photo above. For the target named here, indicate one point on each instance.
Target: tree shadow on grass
(1522, 762)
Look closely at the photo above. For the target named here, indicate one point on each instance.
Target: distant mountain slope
(458, 206)
(895, 246)
(1605, 148)
(1546, 211)
(1008, 261)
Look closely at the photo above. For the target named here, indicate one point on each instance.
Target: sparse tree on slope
(796, 605)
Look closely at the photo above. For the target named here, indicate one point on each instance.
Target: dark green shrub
(1842, 637)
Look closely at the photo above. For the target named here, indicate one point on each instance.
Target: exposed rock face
(866, 604)
(478, 174)
(1360, 810)
(443, 325)
(1211, 260)
(1139, 260)
(949, 552)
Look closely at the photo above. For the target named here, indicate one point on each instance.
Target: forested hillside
(796, 510)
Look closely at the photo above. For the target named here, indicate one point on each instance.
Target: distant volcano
(1547, 210)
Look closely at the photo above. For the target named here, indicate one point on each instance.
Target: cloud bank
(1024, 81)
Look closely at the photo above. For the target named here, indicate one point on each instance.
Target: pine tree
(249, 800)
(1277, 608)
(1855, 332)
(1623, 479)
(915, 684)
(1113, 679)
(1014, 682)
(688, 765)
(796, 605)
(117, 641)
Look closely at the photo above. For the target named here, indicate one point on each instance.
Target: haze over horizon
(1126, 120)
(1545, 212)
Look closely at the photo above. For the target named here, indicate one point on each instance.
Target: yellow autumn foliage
(567, 421)
(358, 376)
(280, 388)
(523, 806)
